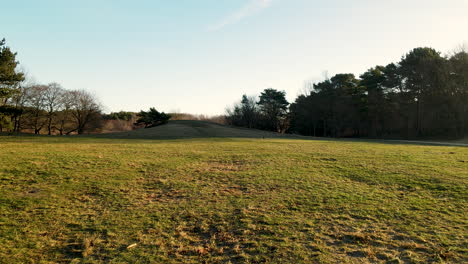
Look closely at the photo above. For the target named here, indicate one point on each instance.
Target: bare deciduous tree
(85, 109)
(53, 102)
(36, 102)
(64, 117)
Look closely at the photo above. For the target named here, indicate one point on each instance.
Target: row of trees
(55, 110)
(219, 119)
(423, 95)
(52, 109)
(42, 108)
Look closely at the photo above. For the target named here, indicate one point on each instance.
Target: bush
(152, 118)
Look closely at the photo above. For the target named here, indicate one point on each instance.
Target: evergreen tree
(273, 105)
(9, 81)
(152, 118)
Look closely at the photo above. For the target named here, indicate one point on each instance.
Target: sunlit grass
(85, 200)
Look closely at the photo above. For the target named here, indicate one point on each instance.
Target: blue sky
(200, 56)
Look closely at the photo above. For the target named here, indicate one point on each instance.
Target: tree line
(36, 107)
(54, 110)
(424, 95)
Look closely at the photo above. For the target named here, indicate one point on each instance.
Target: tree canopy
(274, 107)
(423, 95)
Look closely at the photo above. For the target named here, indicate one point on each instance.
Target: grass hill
(178, 129)
(193, 129)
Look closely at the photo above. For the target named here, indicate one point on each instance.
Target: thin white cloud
(249, 9)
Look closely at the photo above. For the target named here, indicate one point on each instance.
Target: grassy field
(93, 200)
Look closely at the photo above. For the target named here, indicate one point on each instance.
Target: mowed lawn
(85, 200)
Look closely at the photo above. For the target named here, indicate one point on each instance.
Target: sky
(200, 56)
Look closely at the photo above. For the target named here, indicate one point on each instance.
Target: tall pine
(9, 82)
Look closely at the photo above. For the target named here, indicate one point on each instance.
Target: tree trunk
(49, 127)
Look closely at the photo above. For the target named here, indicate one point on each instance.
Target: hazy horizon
(201, 56)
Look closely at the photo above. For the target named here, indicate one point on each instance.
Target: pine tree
(9, 81)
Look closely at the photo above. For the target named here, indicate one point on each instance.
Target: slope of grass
(87, 200)
(179, 129)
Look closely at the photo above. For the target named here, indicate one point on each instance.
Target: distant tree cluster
(52, 109)
(219, 119)
(423, 95)
(122, 115)
(39, 108)
(268, 113)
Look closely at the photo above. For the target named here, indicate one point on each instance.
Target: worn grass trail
(85, 200)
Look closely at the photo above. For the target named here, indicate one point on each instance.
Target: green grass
(85, 200)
